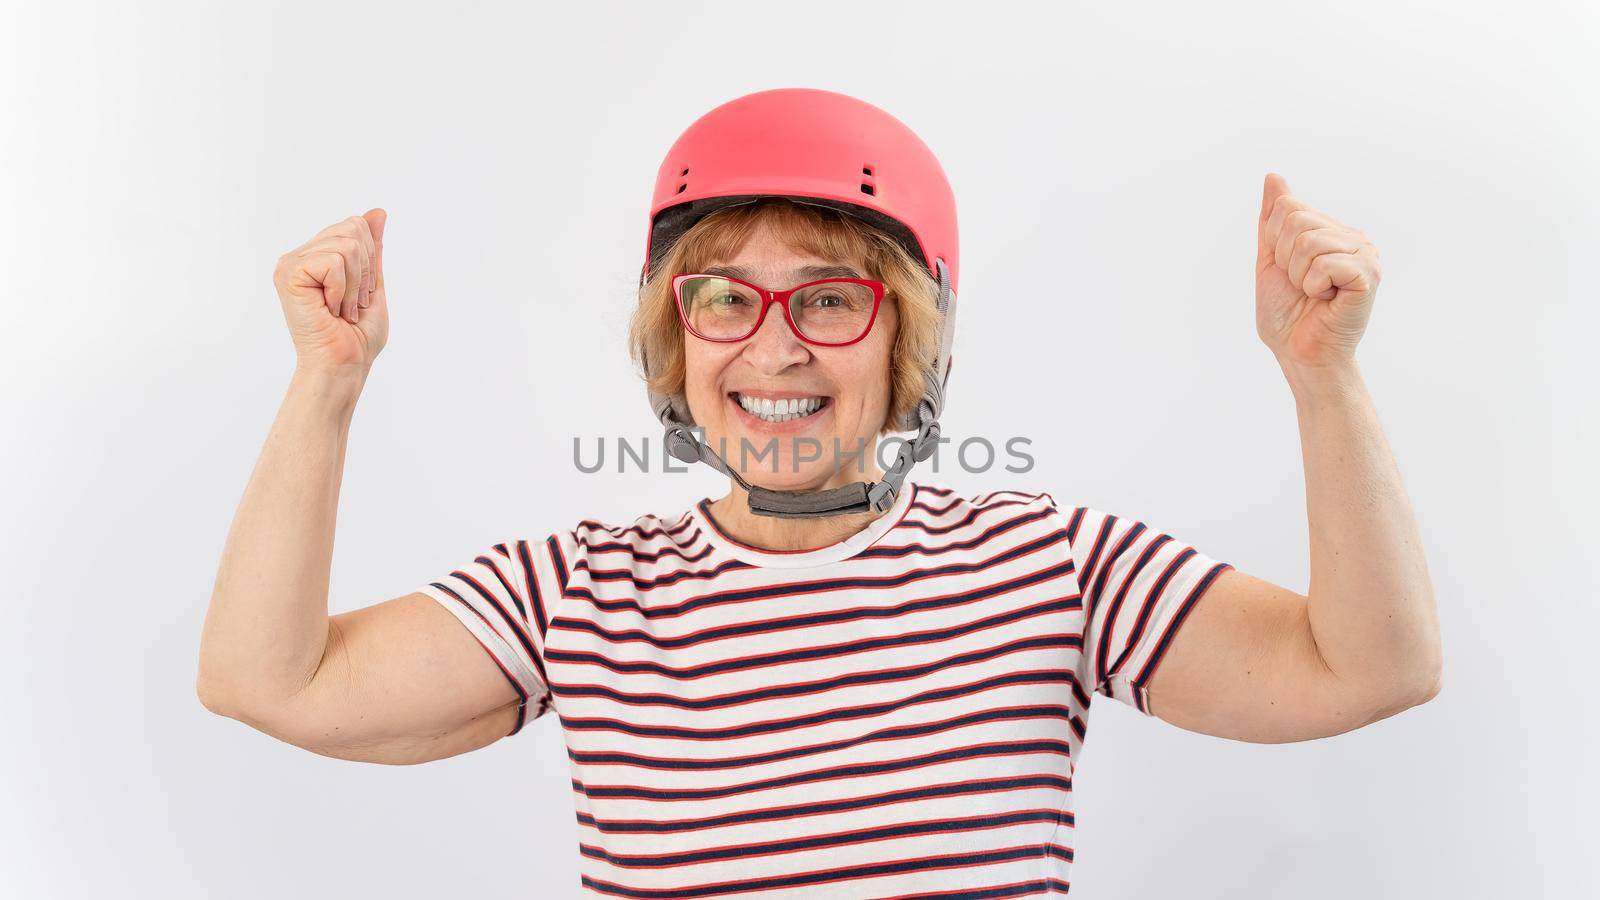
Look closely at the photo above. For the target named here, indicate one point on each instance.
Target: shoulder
(648, 538)
(938, 510)
(571, 559)
(938, 500)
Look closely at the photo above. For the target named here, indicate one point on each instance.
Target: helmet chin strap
(860, 496)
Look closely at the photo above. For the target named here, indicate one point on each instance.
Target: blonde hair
(656, 334)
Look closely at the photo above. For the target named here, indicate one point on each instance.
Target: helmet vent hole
(868, 189)
(866, 170)
(682, 187)
(683, 173)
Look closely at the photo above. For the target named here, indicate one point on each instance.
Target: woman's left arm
(1259, 662)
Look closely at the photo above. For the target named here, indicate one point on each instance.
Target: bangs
(802, 228)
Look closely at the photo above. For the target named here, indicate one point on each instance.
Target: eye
(830, 298)
(722, 297)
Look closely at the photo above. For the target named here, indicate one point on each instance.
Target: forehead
(768, 254)
(797, 274)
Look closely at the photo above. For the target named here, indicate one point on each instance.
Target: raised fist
(331, 289)
(1315, 280)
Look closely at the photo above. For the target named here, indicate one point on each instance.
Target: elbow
(210, 696)
(1430, 679)
(1406, 695)
(1419, 694)
(218, 692)
(1420, 680)
(210, 681)
(1429, 688)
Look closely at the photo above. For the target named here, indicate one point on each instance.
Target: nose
(774, 346)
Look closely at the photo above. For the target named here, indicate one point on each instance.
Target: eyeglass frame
(879, 290)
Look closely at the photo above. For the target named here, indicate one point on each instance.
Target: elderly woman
(834, 680)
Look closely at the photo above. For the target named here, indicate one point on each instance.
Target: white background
(1107, 160)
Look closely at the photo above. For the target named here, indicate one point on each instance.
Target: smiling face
(775, 407)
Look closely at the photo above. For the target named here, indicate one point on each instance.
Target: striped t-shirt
(895, 715)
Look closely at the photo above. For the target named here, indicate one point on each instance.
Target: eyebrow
(806, 273)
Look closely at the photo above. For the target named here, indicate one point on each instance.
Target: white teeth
(779, 410)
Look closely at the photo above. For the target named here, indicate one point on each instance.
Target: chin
(811, 477)
(781, 463)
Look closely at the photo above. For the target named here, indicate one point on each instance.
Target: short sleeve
(503, 597)
(1138, 584)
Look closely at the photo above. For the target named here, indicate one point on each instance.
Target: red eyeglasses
(833, 312)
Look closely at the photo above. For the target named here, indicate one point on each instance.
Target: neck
(734, 517)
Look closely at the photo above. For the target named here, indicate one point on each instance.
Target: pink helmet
(812, 144)
(831, 150)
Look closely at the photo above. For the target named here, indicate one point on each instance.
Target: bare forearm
(267, 624)
(1371, 600)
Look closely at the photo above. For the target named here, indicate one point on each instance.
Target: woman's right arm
(398, 682)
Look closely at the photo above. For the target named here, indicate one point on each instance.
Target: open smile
(777, 410)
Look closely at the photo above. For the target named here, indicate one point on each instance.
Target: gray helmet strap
(861, 496)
